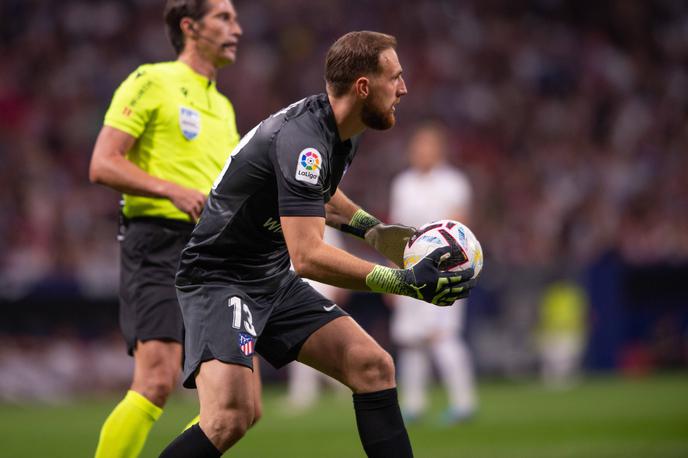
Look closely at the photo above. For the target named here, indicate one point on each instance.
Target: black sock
(192, 443)
(380, 425)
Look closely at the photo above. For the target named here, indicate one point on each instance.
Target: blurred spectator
(562, 114)
(570, 118)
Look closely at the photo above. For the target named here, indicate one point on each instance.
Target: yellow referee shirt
(185, 130)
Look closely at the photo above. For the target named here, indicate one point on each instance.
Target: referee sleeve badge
(189, 122)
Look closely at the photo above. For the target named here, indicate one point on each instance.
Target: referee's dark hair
(354, 55)
(175, 11)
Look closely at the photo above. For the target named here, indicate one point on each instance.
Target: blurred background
(570, 119)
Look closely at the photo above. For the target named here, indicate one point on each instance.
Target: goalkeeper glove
(387, 239)
(424, 280)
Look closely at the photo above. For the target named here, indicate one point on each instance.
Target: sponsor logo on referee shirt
(189, 122)
(308, 166)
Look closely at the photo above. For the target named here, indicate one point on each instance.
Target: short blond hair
(354, 55)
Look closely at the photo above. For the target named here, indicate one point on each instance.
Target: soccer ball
(465, 248)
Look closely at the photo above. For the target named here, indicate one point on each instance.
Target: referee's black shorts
(150, 252)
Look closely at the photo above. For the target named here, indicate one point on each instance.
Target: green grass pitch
(600, 418)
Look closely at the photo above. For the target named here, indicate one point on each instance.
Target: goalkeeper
(269, 205)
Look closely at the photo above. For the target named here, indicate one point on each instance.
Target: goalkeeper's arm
(313, 258)
(387, 239)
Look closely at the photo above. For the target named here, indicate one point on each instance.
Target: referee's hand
(188, 200)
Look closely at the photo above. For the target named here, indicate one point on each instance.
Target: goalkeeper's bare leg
(344, 351)
(341, 349)
(156, 374)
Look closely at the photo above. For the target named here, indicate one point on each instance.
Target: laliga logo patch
(189, 122)
(308, 167)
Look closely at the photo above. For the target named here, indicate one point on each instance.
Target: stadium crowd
(570, 118)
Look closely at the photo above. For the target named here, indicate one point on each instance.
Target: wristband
(360, 222)
(388, 280)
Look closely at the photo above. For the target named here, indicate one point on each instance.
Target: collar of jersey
(202, 80)
(330, 119)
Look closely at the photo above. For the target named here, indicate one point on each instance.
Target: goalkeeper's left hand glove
(424, 280)
(387, 239)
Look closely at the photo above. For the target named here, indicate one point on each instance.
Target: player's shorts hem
(293, 353)
(192, 369)
(131, 346)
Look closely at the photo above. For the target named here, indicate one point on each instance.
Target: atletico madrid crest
(247, 343)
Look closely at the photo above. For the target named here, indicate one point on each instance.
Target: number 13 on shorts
(239, 309)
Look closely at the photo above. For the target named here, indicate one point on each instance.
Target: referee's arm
(110, 167)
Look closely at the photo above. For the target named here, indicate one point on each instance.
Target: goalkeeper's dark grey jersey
(288, 165)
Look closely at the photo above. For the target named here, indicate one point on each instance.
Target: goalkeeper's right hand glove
(424, 280)
(390, 240)
(387, 239)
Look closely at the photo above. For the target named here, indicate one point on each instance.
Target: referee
(166, 136)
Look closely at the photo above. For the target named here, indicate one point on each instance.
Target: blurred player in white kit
(430, 190)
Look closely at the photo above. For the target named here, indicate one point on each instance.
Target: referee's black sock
(380, 425)
(192, 443)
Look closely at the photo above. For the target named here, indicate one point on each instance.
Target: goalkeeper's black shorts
(150, 249)
(228, 323)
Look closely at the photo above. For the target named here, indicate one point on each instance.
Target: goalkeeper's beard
(374, 117)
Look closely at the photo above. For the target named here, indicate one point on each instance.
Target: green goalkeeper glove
(387, 239)
(424, 280)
